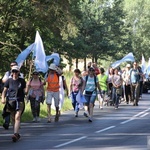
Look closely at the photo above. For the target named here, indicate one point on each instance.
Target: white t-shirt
(117, 79)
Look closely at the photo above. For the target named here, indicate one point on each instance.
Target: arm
(3, 95)
(65, 84)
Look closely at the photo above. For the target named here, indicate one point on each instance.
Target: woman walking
(102, 79)
(76, 86)
(15, 99)
(117, 91)
(90, 92)
(36, 95)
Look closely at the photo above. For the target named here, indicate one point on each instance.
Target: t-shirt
(90, 84)
(76, 84)
(36, 87)
(14, 86)
(117, 80)
(134, 76)
(102, 81)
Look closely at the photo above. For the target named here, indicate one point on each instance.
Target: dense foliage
(77, 29)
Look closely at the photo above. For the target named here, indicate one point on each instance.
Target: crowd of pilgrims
(108, 87)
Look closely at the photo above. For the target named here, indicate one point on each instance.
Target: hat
(128, 66)
(52, 67)
(35, 71)
(15, 68)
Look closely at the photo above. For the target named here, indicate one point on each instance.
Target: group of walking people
(85, 87)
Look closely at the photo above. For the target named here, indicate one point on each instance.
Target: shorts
(50, 96)
(90, 99)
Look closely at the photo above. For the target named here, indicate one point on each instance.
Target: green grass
(27, 116)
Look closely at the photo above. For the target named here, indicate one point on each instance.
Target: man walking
(135, 86)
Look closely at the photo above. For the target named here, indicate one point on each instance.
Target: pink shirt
(36, 88)
(76, 84)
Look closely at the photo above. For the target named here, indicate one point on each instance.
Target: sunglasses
(92, 70)
(15, 71)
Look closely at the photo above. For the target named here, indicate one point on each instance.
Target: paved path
(126, 128)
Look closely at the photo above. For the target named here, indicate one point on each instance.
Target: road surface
(127, 128)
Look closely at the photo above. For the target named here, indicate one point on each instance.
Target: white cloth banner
(40, 57)
(128, 57)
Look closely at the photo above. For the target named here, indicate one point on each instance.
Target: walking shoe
(90, 120)
(6, 126)
(59, 112)
(136, 104)
(34, 120)
(85, 114)
(76, 114)
(38, 119)
(15, 137)
(56, 118)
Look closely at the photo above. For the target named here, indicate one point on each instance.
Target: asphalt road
(127, 128)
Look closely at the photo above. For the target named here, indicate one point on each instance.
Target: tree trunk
(85, 63)
(77, 62)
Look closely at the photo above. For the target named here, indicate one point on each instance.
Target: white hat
(15, 68)
(128, 66)
(52, 67)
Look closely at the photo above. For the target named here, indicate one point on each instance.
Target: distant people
(127, 83)
(102, 78)
(97, 71)
(135, 83)
(117, 88)
(76, 87)
(109, 81)
(36, 95)
(90, 92)
(52, 81)
(15, 99)
(62, 88)
(142, 77)
(8, 75)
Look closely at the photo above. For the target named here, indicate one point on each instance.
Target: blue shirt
(134, 76)
(90, 84)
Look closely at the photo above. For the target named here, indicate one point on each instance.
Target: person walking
(117, 88)
(135, 83)
(36, 94)
(15, 99)
(76, 87)
(53, 90)
(90, 86)
(127, 83)
(8, 75)
(62, 88)
(102, 78)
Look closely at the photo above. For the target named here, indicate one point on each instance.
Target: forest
(76, 29)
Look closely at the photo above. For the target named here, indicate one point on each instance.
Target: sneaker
(56, 118)
(76, 114)
(15, 137)
(90, 120)
(34, 120)
(85, 114)
(38, 119)
(101, 107)
(6, 126)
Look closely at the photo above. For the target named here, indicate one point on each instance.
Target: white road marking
(127, 121)
(144, 115)
(105, 129)
(141, 112)
(72, 141)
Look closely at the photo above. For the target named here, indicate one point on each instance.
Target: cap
(52, 67)
(15, 68)
(128, 66)
(91, 69)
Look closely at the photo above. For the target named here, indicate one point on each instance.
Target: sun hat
(52, 67)
(15, 68)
